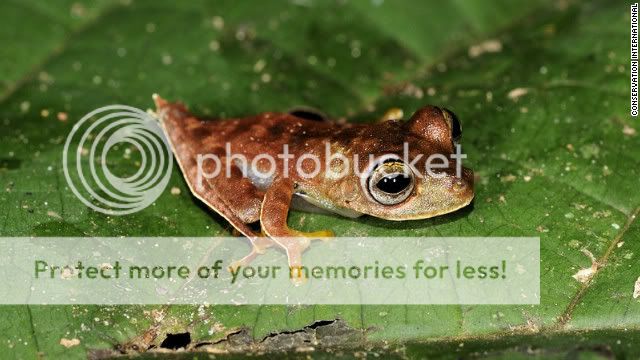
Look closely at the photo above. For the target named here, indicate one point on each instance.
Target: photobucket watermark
(90, 170)
(331, 164)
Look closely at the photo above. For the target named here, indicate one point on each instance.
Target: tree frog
(386, 182)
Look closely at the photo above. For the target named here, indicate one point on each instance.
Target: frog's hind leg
(235, 199)
(238, 216)
(238, 192)
(244, 200)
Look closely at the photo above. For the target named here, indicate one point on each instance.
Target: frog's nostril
(458, 184)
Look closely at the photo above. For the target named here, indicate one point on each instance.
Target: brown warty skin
(244, 199)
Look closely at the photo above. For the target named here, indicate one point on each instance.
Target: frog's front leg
(273, 219)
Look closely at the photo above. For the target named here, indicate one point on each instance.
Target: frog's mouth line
(430, 214)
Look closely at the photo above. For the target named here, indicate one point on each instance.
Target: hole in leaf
(320, 323)
(176, 341)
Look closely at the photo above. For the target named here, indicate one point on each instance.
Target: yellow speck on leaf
(508, 178)
(489, 46)
(516, 93)
(54, 214)
(628, 130)
(68, 343)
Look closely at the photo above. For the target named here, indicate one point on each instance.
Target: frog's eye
(390, 183)
(454, 125)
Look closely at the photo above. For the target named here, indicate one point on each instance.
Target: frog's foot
(262, 243)
(392, 114)
(259, 246)
(243, 262)
(294, 247)
(297, 275)
(305, 238)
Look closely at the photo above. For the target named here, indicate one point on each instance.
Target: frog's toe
(245, 261)
(262, 243)
(235, 265)
(297, 275)
(257, 248)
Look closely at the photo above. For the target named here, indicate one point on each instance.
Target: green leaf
(546, 128)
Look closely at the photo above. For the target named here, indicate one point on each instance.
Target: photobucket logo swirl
(92, 147)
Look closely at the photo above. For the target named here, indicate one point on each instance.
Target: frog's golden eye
(454, 125)
(390, 183)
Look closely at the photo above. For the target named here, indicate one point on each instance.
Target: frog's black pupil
(394, 183)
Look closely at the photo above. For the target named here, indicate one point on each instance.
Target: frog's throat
(306, 203)
(431, 214)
